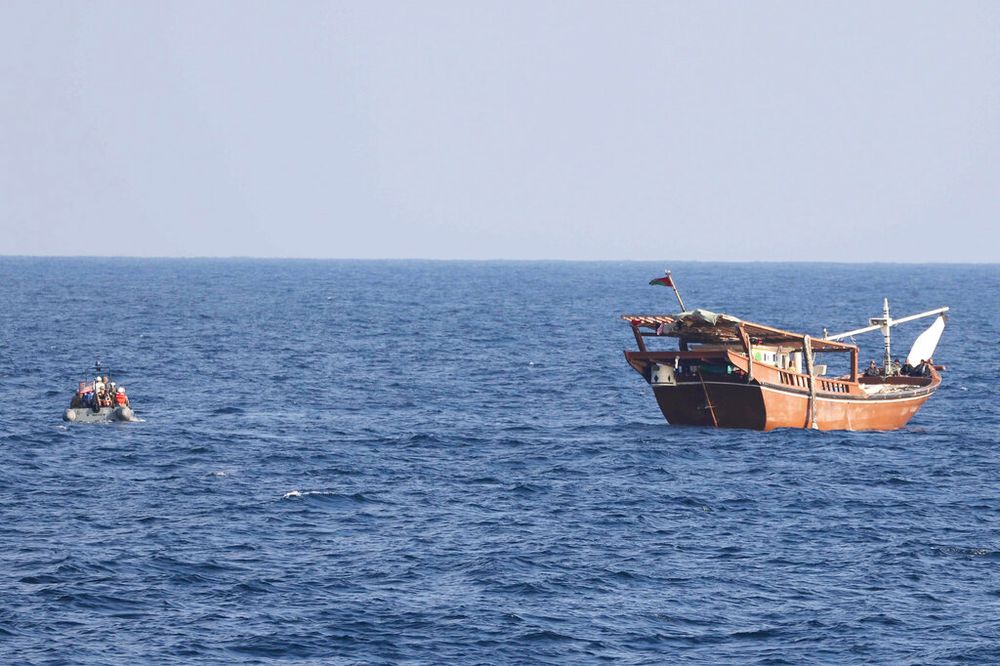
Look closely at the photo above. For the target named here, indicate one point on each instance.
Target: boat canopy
(718, 328)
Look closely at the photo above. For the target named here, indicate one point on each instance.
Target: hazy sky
(844, 131)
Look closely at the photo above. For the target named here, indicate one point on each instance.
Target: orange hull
(774, 398)
(751, 405)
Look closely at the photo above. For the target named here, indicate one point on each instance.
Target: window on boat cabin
(765, 356)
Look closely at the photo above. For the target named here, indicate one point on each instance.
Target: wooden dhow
(731, 373)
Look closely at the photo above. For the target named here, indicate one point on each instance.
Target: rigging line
(708, 401)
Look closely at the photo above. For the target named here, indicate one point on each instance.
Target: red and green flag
(666, 281)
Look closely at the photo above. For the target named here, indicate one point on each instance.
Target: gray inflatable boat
(83, 407)
(103, 415)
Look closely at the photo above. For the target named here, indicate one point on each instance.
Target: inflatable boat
(102, 415)
(100, 401)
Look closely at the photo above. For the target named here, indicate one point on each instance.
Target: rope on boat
(708, 401)
(811, 416)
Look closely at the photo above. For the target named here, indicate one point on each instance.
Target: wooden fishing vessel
(730, 373)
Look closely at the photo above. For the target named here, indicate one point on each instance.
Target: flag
(664, 281)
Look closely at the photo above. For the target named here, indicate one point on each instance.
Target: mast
(884, 324)
(676, 293)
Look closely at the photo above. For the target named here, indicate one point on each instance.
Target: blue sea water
(446, 462)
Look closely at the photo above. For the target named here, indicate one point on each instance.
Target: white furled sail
(925, 344)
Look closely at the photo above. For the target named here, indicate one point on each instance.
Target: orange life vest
(120, 398)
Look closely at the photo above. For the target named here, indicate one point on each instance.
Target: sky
(714, 131)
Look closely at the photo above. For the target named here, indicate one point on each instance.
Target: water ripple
(335, 468)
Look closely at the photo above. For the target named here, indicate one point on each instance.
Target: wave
(328, 495)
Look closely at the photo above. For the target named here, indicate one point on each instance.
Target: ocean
(354, 462)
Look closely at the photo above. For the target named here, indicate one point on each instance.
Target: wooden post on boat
(668, 281)
(676, 293)
(746, 346)
(638, 338)
(811, 412)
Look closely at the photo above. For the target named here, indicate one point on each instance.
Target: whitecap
(310, 493)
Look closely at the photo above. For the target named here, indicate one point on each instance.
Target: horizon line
(493, 260)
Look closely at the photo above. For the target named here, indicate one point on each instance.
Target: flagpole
(676, 293)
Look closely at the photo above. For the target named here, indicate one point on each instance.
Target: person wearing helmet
(120, 398)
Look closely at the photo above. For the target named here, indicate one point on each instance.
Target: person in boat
(896, 367)
(120, 398)
(104, 399)
(872, 369)
(109, 392)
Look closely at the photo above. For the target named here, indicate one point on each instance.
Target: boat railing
(834, 386)
(802, 381)
(898, 380)
(793, 379)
